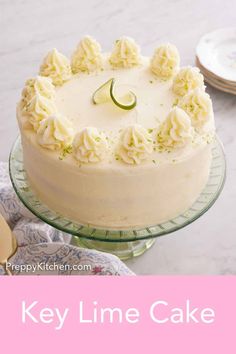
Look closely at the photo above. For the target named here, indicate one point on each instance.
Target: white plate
(217, 53)
(208, 74)
(219, 86)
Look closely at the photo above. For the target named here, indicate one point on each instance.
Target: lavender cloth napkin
(45, 250)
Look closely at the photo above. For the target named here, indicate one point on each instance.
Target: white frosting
(116, 195)
(176, 130)
(165, 61)
(39, 85)
(145, 186)
(135, 145)
(87, 57)
(198, 105)
(154, 99)
(57, 67)
(89, 145)
(186, 80)
(38, 109)
(55, 132)
(126, 53)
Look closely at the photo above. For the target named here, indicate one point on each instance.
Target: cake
(116, 140)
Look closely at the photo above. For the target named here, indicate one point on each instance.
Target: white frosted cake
(116, 140)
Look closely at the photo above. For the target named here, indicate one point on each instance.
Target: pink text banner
(118, 315)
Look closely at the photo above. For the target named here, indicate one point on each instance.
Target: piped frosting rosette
(55, 132)
(126, 53)
(187, 80)
(197, 104)
(165, 61)
(40, 85)
(176, 130)
(57, 67)
(89, 145)
(87, 56)
(135, 145)
(39, 108)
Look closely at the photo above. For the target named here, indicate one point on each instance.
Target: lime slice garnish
(107, 91)
(102, 94)
(128, 101)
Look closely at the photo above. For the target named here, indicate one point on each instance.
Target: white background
(29, 29)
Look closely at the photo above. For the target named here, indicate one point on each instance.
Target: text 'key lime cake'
(116, 140)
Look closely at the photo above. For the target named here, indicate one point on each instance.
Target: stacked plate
(216, 58)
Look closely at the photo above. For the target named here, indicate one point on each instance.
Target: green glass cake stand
(123, 243)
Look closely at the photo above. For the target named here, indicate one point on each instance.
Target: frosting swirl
(126, 53)
(87, 57)
(55, 132)
(176, 130)
(89, 145)
(135, 144)
(39, 85)
(57, 67)
(197, 104)
(186, 80)
(39, 108)
(165, 61)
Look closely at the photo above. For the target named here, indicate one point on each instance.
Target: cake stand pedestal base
(123, 250)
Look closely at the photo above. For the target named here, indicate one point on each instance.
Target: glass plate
(124, 243)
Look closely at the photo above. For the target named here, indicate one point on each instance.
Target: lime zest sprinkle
(67, 150)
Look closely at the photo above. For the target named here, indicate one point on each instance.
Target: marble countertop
(29, 29)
